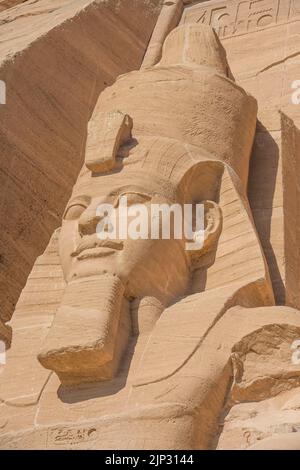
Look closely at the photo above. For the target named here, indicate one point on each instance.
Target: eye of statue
(134, 198)
(74, 211)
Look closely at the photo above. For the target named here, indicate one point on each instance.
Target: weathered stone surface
(5, 4)
(141, 343)
(262, 42)
(56, 57)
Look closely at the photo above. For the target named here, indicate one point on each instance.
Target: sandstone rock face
(5, 4)
(56, 56)
(144, 343)
(262, 41)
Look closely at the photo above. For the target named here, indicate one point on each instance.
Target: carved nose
(92, 216)
(88, 221)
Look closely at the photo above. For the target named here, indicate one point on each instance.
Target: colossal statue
(172, 154)
(146, 344)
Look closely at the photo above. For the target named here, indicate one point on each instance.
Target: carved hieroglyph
(151, 346)
(237, 17)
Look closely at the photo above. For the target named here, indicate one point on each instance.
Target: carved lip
(92, 247)
(95, 253)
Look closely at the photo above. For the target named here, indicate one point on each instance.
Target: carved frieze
(234, 17)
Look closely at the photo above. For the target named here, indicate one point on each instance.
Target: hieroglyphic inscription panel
(242, 16)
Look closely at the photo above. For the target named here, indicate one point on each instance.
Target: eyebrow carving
(83, 201)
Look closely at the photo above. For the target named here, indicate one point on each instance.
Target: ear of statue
(107, 132)
(205, 242)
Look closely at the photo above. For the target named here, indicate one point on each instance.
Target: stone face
(143, 343)
(262, 42)
(56, 56)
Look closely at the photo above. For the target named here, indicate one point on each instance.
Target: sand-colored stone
(56, 56)
(262, 42)
(142, 344)
(5, 4)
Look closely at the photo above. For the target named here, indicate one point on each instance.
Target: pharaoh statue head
(171, 150)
